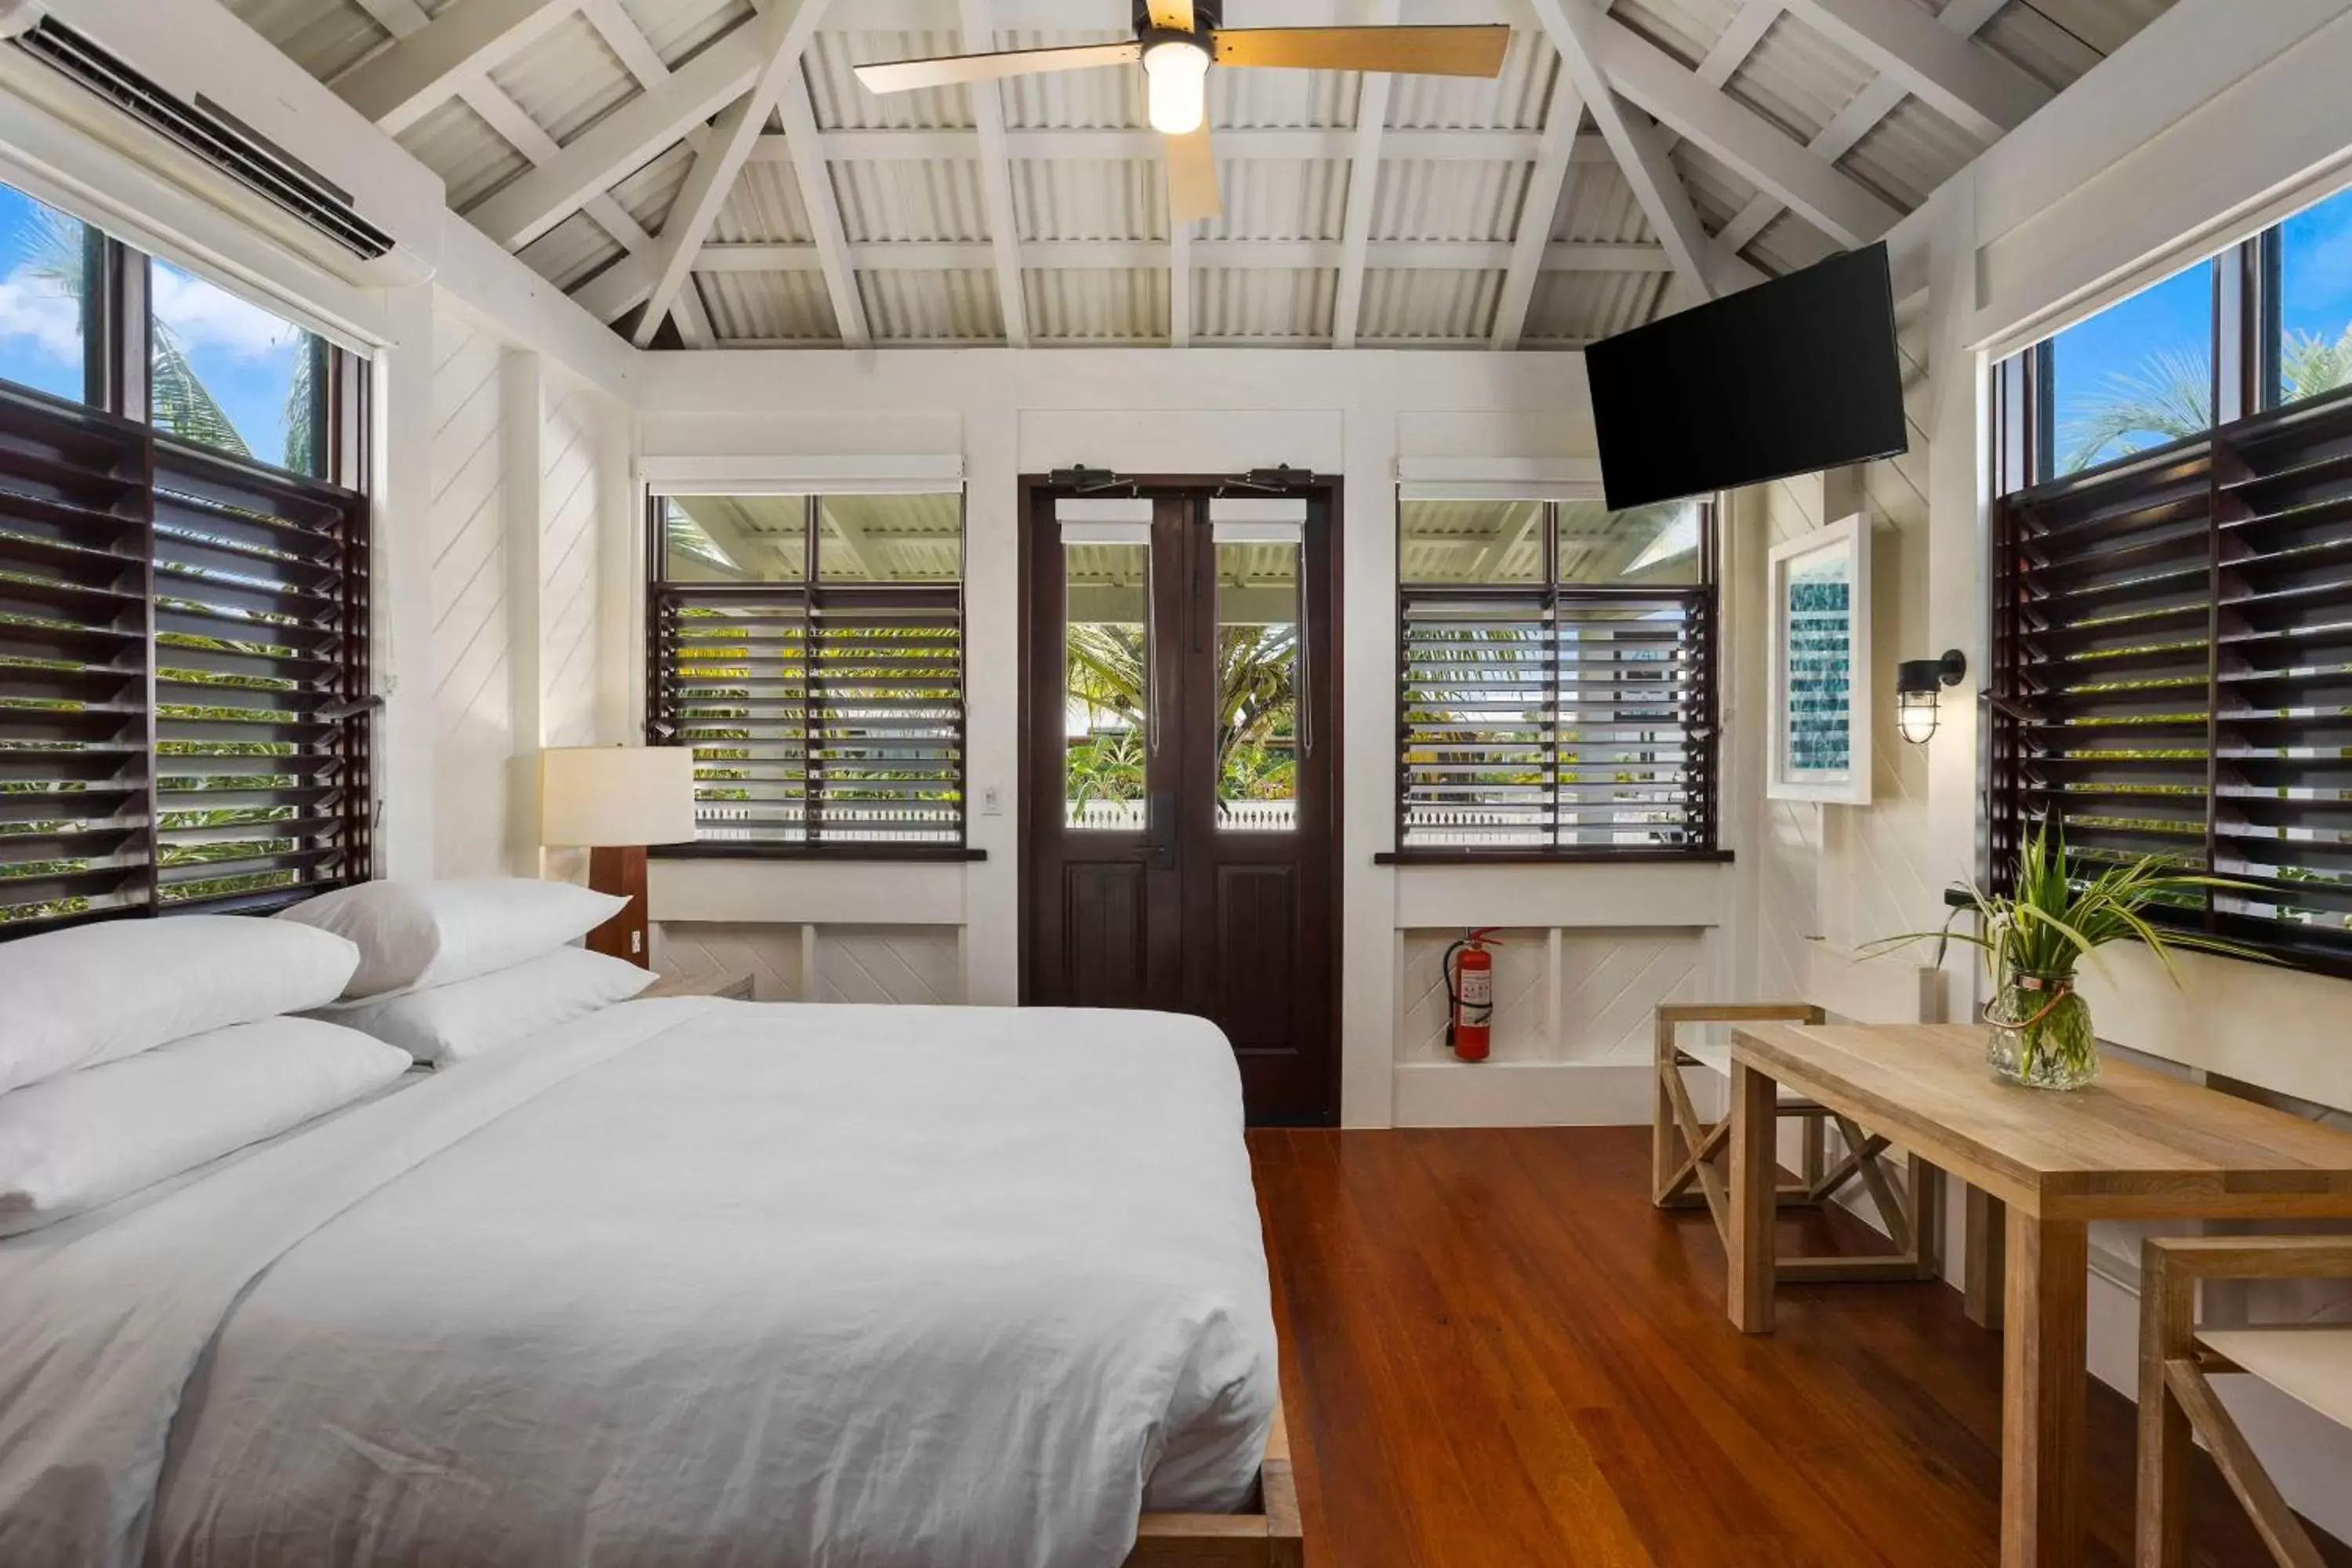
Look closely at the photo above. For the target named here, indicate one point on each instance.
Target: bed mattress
(689, 1282)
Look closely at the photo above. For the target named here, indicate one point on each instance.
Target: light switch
(992, 800)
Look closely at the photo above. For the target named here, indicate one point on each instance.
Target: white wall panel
(888, 963)
(473, 725)
(770, 954)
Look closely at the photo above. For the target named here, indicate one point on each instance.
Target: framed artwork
(1820, 666)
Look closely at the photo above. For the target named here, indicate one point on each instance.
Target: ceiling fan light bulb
(1178, 73)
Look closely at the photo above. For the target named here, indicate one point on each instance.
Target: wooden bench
(1685, 1150)
(2313, 1363)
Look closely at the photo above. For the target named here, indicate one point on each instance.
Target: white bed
(688, 1282)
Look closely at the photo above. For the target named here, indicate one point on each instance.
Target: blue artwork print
(1819, 621)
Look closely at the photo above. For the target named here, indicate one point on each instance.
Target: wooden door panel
(1104, 948)
(1256, 943)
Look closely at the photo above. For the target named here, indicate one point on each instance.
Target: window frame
(302, 540)
(1703, 803)
(812, 594)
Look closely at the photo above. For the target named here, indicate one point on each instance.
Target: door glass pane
(1110, 602)
(1646, 544)
(2137, 374)
(734, 539)
(889, 539)
(223, 373)
(48, 267)
(2314, 300)
(1470, 541)
(1257, 686)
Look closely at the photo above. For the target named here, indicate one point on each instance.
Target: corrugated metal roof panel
(1237, 302)
(2055, 41)
(458, 145)
(1427, 199)
(678, 29)
(1798, 79)
(1715, 189)
(892, 200)
(767, 307)
(1090, 198)
(1598, 205)
(1576, 308)
(959, 306)
(765, 208)
(1279, 198)
(1108, 98)
(1909, 154)
(567, 80)
(840, 100)
(323, 36)
(1789, 244)
(1685, 28)
(647, 195)
(572, 252)
(1078, 304)
(1282, 98)
(1428, 302)
(1513, 101)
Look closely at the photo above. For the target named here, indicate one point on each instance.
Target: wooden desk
(2137, 1146)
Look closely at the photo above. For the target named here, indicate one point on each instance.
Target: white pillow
(415, 934)
(87, 1138)
(450, 1023)
(90, 993)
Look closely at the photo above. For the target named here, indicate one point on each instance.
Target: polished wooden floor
(1497, 1352)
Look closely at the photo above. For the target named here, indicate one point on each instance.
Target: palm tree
(1257, 683)
(2309, 365)
(2168, 397)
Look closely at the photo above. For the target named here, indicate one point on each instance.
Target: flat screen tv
(1786, 377)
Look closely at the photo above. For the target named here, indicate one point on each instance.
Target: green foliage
(2169, 397)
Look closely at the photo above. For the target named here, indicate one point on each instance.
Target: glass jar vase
(2042, 1033)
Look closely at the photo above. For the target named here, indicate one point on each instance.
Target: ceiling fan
(1178, 40)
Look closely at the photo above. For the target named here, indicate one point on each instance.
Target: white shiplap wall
(472, 705)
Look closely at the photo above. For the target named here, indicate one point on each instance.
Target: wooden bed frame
(1270, 1538)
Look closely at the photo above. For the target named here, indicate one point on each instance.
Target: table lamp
(613, 801)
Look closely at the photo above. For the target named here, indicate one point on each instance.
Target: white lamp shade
(601, 796)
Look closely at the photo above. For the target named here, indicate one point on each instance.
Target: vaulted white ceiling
(718, 159)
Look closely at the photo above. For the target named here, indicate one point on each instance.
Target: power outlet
(992, 800)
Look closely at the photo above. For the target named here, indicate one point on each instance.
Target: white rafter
(623, 140)
(1575, 31)
(626, 40)
(1363, 186)
(1982, 93)
(823, 212)
(400, 84)
(785, 31)
(1121, 255)
(1963, 18)
(1179, 286)
(1550, 187)
(1740, 36)
(996, 179)
(1467, 145)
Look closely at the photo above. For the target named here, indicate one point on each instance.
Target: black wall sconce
(1917, 683)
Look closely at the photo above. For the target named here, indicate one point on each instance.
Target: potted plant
(2034, 938)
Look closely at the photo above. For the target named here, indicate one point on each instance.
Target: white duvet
(689, 1282)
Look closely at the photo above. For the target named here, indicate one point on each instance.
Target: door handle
(1160, 831)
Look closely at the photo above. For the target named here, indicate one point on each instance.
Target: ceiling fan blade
(1417, 51)
(1192, 178)
(951, 71)
(1174, 15)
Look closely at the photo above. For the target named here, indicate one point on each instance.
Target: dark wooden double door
(1178, 762)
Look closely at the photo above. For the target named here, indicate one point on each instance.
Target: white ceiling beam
(1962, 19)
(1549, 188)
(1466, 145)
(785, 31)
(1741, 36)
(626, 40)
(1122, 255)
(1179, 286)
(623, 141)
(1575, 30)
(1670, 92)
(996, 179)
(399, 85)
(823, 212)
(1982, 93)
(398, 17)
(1363, 186)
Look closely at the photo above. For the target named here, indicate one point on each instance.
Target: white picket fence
(1234, 817)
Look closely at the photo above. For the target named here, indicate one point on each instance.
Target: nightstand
(734, 987)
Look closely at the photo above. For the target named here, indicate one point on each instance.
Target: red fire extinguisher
(1470, 996)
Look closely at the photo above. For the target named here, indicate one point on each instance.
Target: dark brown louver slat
(261, 631)
(1576, 720)
(731, 680)
(2173, 671)
(886, 717)
(75, 828)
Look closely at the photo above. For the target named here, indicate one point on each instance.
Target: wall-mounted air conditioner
(195, 96)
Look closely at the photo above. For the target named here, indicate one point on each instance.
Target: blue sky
(242, 354)
(2174, 318)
